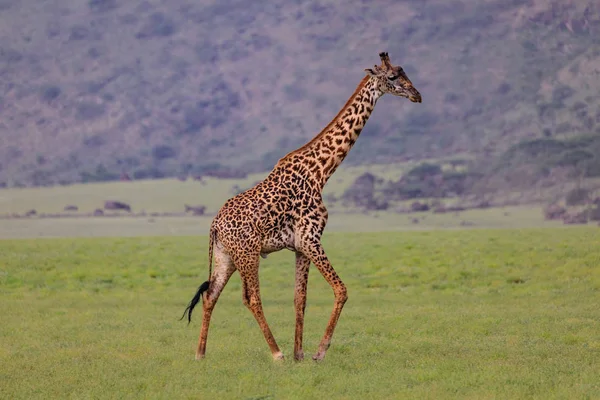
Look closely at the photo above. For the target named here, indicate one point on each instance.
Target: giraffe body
(286, 211)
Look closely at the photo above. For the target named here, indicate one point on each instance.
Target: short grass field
(476, 314)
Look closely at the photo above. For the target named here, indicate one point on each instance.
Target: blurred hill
(93, 89)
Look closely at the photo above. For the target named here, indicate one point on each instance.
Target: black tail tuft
(203, 288)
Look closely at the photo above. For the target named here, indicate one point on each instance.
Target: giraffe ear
(370, 72)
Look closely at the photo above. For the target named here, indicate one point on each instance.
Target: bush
(94, 141)
(592, 168)
(163, 152)
(102, 5)
(157, 25)
(10, 56)
(428, 180)
(403, 190)
(101, 174)
(577, 197)
(561, 93)
(573, 158)
(89, 111)
(424, 170)
(79, 32)
(362, 191)
(503, 88)
(535, 148)
(294, 92)
(50, 93)
(148, 173)
(594, 213)
(214, 111)
(41, 178)
(206, 51)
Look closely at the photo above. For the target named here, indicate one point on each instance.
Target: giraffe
(286, 211)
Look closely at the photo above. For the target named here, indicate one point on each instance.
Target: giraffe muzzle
(415, 96)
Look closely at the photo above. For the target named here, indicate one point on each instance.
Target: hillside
(95, 88)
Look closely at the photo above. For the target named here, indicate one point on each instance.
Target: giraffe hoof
(299, 356)
(278, 356)
(199, 357)
(319, 356)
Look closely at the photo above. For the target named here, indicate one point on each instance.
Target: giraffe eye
(393, 78)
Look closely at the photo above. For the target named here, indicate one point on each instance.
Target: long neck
(325, 152)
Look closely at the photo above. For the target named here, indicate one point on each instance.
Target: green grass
(445, 314)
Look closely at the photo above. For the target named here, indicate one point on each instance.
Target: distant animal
(116, 205)
(71, 207)
(417, 206)
(286, 211)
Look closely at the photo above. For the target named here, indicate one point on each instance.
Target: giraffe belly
(280, 241)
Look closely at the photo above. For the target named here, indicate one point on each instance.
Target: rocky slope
(95, 88)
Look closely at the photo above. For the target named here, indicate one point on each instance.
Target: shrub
(41, 178)
(535, 148)
(503, 88)
(157, 25)
(561, 93)
(594, 213)
(89, 111)
(592, 168)
(362, 191)
(573, 158)
(101, 174)
(148, 173)
(50, 93)
(577, 197)
(10, 56)
(102, 5)
(79, 32)
(94, 141)
(163, 152)
(424, 170)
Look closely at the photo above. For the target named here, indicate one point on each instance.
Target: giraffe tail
(204, 287)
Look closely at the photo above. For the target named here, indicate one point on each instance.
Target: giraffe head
(392, 79)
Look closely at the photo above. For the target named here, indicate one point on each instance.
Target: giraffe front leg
(302, 267)
(317, 255)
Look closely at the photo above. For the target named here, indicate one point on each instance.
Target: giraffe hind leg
(248, 267)
(223, 270)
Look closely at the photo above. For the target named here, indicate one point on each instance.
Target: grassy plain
(170, 195)
(509, 217)
(162, 195)
(432, 314)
